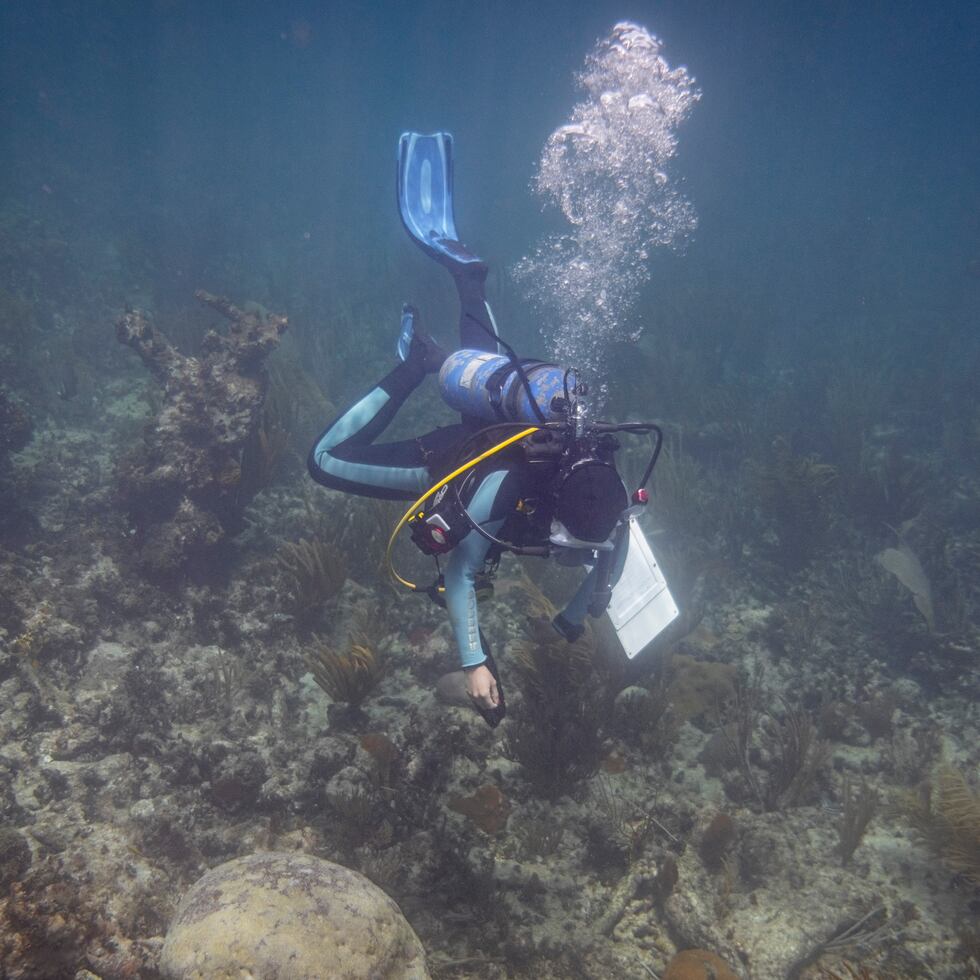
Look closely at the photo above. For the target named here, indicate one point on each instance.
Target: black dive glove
(570, 631)
(492, 716)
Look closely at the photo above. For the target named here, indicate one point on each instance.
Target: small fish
(68, 388)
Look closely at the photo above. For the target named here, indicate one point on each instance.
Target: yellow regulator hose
(523, 434)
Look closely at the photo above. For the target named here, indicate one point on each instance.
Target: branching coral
(292, 396)
(875, 602)
(16, 430)
(946, 815)
(858, 810)
(546, 659)
(347, 677)
(860, 971)
(556, 735)
(795, 755)
(316, 570)
(857, 398)
(624, 823)
(539, 837)
(645, 716)
(864, 934)
(890, 487)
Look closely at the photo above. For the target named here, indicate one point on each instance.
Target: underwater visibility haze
(700, 275)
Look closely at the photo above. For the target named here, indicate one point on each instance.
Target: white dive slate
(641, 607)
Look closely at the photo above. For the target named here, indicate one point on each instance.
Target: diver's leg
(477, 328)
(344, 458)
(569, 622)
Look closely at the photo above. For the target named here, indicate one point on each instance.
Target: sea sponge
(698, 686)
(488, 808)
(716, 840)
(698, 964)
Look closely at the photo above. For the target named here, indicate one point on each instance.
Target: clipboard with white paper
(641, 607)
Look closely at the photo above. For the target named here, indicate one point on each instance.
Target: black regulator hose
(648, 472)
(637, 427)
(534, 551)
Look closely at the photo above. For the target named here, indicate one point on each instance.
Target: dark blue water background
(249, 148)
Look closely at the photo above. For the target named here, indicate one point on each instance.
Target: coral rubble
(181, 487)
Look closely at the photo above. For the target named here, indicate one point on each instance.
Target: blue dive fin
(425, 203)
(425, 197)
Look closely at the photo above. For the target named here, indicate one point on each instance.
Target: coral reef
(698, 964)
(555, 735)
(182, 487)
(488, 808)
(316, 573)
(347, 676)
(15, 427)
(793, 490)
(281, 915)
(783, 783)
(623, 812)
(857, 811)
(946, 814)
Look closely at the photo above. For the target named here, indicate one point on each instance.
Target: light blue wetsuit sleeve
(488, 507)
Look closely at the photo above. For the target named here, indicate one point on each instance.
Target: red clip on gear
(641, 496)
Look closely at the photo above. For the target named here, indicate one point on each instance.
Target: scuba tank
(489, 386)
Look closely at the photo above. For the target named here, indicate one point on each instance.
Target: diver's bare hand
(481, 687)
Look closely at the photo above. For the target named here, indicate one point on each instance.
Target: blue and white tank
(486, 385)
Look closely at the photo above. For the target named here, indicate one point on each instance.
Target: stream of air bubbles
(608, 171)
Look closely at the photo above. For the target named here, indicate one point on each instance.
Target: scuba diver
(523, 471)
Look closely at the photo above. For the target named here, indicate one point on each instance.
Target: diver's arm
(477, 328)
(345, 456)
(495, 498)
(464, 563)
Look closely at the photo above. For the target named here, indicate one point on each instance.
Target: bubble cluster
(607, 169)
